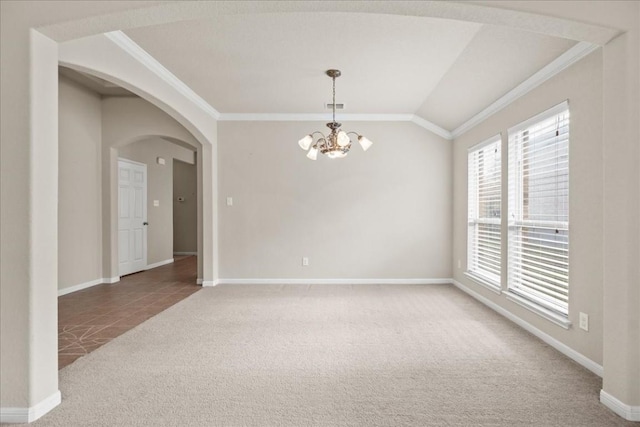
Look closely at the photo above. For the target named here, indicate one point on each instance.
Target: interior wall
(383, 214)
(160, 189)
(79, 199)
(185, 212)
(586, 199)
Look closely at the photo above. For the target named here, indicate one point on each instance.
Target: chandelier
(338, 143)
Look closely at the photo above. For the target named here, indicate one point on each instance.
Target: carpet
(328, 355)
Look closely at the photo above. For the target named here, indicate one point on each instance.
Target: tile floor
(89, 318)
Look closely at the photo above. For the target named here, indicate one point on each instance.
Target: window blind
(484, 206)
(538, 259)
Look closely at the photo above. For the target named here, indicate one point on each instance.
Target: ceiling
(442, 70)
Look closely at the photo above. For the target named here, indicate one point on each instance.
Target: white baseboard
(159, 264)
(81, 286)
(208, 283)
(28, 415)
(562, 348)
(185, 253)
(628, 412)
(333, 281)
(85, 285)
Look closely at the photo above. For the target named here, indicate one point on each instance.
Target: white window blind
(538, 260)
(484, 206)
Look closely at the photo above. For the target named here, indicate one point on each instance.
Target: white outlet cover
(584, 321)
(229, 201)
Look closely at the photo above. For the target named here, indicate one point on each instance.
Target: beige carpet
(328, 356)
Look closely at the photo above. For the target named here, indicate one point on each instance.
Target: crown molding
(133, 49)
(559, 64)
(431, 127)
(293, 117)
(312, 117)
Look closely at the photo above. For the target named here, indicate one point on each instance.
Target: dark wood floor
(89, 318)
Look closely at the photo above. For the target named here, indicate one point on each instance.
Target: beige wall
(581, 84)
(79, 199)
(185, 213)
(160, 188)
(384, 213)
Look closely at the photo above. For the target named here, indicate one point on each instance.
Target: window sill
(551, 316)
(483, 282)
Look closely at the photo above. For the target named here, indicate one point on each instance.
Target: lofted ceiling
(442, 70)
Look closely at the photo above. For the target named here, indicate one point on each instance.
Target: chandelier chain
(334, 99)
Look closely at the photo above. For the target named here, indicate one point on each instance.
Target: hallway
(90, 318)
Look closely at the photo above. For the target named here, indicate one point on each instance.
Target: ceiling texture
(441, 70)
(444, 65)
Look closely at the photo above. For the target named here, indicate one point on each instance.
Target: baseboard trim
(81, 286)
(628, 412)
(185, 253)
(333, 281)
(85, 285)
(208, 283)
(562, 348)
(28, 415)
(159, 264)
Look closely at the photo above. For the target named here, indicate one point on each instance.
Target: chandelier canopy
(338, 143)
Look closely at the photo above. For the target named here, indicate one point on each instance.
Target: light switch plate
(156, 203)
(229, 201)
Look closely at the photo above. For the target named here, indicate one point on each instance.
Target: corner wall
(380, 214)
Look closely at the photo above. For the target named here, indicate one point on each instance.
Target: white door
(132, 216)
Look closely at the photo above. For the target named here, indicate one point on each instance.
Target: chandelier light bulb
(313, 153)
(343, 139)
(365, 143)
(305, 142)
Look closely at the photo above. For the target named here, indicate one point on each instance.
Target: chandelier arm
(322, 134)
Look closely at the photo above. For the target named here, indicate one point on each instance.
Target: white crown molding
(628, 412)
(562, 62)
(158, 264)
(431, 127)
(28, 415)
(562, 348)
(333, 281)
(312, 117)
(321, 117)
(133, 49)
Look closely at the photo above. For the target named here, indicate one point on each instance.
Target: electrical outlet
(584, 321)
(305, 261)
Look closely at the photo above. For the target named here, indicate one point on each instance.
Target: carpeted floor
(328, 355)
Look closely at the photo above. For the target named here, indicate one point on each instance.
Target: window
(484, 192)
(538, 253)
